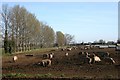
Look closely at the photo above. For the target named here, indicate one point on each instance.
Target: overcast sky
(88, 21)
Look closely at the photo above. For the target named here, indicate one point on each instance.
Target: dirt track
(64, 66)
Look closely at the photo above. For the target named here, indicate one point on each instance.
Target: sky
(59, 0)
(87, 21)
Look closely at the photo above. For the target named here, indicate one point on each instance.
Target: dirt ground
(66, 67)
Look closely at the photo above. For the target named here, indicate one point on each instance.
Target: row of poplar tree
(22, 31)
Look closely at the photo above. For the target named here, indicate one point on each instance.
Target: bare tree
(5, 19)
(60, 39)
(23, 31)
(69, 39)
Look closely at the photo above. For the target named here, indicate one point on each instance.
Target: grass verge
(27, 52)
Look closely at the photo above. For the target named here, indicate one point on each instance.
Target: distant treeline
(22, 31)
(100, 42)
(78, 44)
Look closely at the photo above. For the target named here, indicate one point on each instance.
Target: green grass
(15, 75)
(1, 51)
(26, 52)
(48, 75)
(22, 75)
(36, 51)
(108, 76)
(62, 75)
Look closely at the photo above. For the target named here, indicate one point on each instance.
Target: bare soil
(64, 67)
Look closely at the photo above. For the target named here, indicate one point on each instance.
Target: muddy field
(62, 66)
